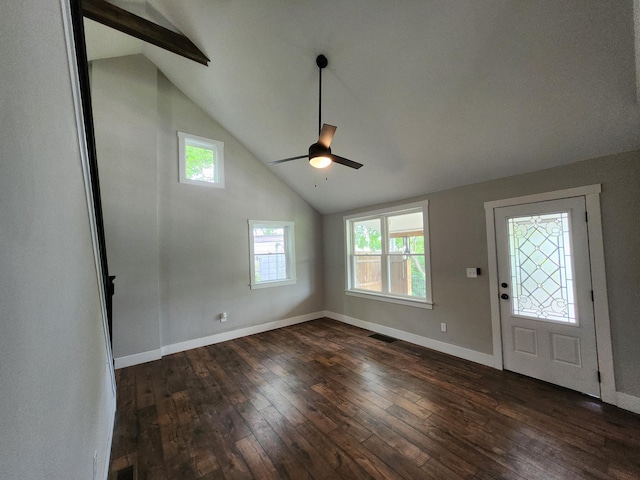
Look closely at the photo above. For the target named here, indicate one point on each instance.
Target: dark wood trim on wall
(85, 91)
(138, 27)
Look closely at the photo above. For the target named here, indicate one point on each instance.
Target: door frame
(591, 194)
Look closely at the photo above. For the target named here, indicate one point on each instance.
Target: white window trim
(386, 297)
(206, 143)
(290, 254)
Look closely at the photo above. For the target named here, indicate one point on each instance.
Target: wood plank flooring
(322, 400)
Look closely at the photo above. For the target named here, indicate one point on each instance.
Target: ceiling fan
(320, 155)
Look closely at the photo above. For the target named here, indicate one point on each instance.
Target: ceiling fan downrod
(320, 155)
(321, 62)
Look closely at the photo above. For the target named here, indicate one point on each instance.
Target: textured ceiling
(428, 95)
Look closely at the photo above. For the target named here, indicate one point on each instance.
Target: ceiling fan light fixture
(320, 161)
(320, 155)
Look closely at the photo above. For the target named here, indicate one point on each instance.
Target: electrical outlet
(473, 272)
(443, 327)
(223, 317)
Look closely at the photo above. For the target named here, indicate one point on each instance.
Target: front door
(546, 309)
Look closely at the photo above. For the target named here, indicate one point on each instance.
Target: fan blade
(345, 161)
(326, 135)
(287, 159)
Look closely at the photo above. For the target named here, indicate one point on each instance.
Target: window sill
(387, 298)
(275, 283)
(201, 183)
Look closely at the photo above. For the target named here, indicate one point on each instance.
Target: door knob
(504, 296)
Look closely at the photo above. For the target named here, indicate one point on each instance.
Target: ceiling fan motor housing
(318, 150)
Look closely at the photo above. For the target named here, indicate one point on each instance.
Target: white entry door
(546, 308)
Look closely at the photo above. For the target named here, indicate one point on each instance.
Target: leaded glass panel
(541, 267)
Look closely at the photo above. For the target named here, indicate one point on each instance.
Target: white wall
(56, 402)
(459, 240)
(189, 241)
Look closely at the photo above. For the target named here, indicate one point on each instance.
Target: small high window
(201, 160)
(272, 252)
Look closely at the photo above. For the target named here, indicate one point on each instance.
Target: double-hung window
(272, 252)
(387, 255)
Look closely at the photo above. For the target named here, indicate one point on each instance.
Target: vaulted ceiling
(428, 94)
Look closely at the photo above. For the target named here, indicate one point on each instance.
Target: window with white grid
(272, 252)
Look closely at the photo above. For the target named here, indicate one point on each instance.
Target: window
(542, 276)
(388, 255)
(272, 250)
(201, 160)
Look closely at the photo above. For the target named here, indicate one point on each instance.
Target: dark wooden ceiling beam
(124, 21)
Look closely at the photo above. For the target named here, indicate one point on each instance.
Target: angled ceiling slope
(428, 95)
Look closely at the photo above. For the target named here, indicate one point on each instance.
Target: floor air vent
(127, 473)
(383, 338)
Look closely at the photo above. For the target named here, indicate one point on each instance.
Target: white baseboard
(150, 356)
(623, 400)
(137, 358)
(460, 352)
(628, 402)
(241, 332)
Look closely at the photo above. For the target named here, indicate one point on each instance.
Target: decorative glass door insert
(542, 276)
(546, 313)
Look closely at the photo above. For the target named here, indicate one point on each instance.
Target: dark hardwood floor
(322, 400)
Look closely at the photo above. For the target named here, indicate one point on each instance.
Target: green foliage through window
(418, 277)
(388, 254)
(201, 160)
(413, 244)
(367, 239)
(200, 164)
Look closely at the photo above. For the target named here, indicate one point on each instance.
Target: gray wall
(459, 240)
(125, 119)
(204, 235)
(187, 243)
(56, 402)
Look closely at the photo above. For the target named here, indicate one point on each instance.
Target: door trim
(598, 278)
